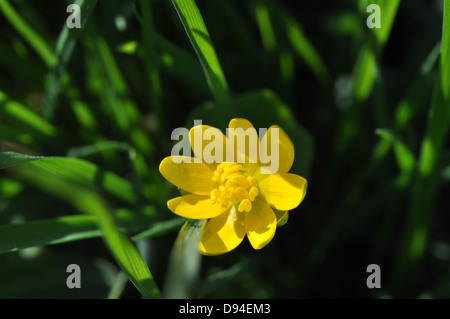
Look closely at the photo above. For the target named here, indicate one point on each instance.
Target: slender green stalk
(31, 36)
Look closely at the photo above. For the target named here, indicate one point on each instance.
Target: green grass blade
(445, 52)
(198, 35)
(364, 73)
(175, 60)
(388, 12)
(265, 26)
(67, 40)
(47, 232)
(416, 234)
(77, 171)
(303, 47)
(90, 203)
(405, 158)
(10, 159)
(185, 262)
(160, 229)
(21, 117)
(27, 32)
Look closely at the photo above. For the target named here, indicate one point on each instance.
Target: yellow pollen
(234, 186)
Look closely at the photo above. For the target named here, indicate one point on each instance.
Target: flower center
(234, 186)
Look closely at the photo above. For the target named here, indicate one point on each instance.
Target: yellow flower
(236, 198)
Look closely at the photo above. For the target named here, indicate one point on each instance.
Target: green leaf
(185, 261)
(77, 171)
(67, 41)
(47, 232)
(198, 35)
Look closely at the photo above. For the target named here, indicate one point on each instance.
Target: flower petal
(243, 140)
(195, 207)
(283, 191)
(184, 173)
(212, 140)
(286, 152)
(222, 233)
(260, 224)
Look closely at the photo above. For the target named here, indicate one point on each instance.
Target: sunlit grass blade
(265, 26)
(304, 48)
(92, 204)
(28, 33)
(67, 40)
(176, 61)
(47, 232)
(87, 150)
(185, 260)
(21, 117)
(364, 73)
(296, 38)
(445, 52)
(78, 171)
(114, 92)
(10, 159)
(198, 35)
(388, 11)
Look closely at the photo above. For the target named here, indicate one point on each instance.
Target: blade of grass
(405, 158)
(415, 237)
(47, 232)
(21, 117)
(197, 32)
(175, 60)
(184, 267)
(160, 228)
(92, 204)
(388, 11)
(77, 171)
(27, 32)
(296, 37)
(67, 41)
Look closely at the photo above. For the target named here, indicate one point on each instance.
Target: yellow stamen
(234, 186)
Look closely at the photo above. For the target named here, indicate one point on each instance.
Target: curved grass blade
(198, 35)
(77, 171)
(21, 117)
(32, 37)
(47, 232)
(90, 203)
